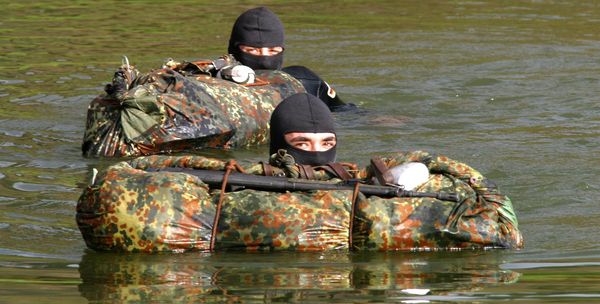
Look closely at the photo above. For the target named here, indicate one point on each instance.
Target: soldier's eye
(329, 143)
(302, 145)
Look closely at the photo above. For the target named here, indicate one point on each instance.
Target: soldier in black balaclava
(257, 41)
(304, 126)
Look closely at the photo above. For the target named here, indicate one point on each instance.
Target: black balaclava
(257, 27)
(302, 113)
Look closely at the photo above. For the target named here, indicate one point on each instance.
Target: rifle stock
(274, 183)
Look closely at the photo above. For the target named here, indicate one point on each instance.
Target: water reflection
(287, 276)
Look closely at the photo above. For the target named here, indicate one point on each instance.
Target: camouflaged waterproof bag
(169, 110)
(129, 207)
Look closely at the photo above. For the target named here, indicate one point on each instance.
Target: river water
(509, 87)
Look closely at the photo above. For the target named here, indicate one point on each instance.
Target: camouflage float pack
(183, 106)
(140, 205)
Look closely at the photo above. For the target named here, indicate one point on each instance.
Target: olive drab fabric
(130, 207)
(169, 111)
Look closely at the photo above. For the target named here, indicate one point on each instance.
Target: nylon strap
(336, 169)
(230, 166)
(267, 169)
(340, 171)
(352, 208)
(306, 171)
(381, 171)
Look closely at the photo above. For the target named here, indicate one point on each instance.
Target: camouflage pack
(182, 107)
(130, 207)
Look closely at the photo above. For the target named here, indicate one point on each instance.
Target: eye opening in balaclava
(303, 113)
(258, 27)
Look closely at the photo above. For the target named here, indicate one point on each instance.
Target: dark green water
(509, 87)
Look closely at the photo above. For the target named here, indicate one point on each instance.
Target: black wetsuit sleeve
(318, 87)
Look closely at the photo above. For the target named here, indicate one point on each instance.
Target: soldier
(304, 126)
(257, 41)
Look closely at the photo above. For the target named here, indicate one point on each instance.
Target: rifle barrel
(274, 183)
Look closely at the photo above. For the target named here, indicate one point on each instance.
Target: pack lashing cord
(229, 166)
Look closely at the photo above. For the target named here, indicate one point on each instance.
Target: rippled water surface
(509, 87)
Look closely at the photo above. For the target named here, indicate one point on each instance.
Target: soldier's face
(316, 142)
(261, 51)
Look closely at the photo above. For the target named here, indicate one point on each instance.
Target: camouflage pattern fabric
(482, 217)
(130, 208)
(170, 112)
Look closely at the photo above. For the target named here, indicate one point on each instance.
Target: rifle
(280, 184)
